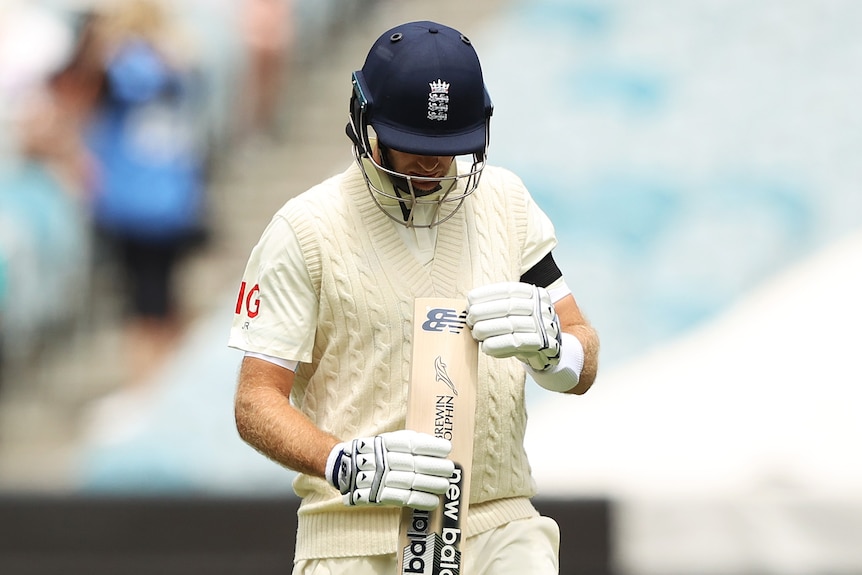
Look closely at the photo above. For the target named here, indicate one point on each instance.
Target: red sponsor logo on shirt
(249, 301)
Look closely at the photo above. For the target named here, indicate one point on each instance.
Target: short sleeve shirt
(276, 267)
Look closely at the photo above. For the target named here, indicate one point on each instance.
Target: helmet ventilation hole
(396, 37)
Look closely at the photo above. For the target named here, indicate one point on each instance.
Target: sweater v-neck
(389, 245)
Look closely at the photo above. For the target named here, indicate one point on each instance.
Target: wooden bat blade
(441, 402)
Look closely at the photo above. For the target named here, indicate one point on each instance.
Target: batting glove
(404, 468)
(515, 319)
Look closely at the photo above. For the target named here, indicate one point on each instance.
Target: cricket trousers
(525, 546)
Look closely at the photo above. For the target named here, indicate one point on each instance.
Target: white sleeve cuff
(558, 290)
(285, 363)
(566, 374)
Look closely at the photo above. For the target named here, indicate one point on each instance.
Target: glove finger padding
(405, 498)
(500, 291)
(404, 468)
(401, 497)
(511, 305)
(513, 344)
(415, 481)
(495, 326)
(408, 441)
(515, 319)
(419, 464)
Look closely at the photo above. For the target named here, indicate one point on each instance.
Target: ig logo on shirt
(248, 302)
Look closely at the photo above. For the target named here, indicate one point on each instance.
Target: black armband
(543, 273)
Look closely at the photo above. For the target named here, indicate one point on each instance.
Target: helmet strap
(398, 184)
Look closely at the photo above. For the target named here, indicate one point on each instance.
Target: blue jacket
(144, 137)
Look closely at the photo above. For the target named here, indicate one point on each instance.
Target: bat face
(441, 402)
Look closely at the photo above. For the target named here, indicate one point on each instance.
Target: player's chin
(425, 189)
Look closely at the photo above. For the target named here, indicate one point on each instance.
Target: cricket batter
(324, 315)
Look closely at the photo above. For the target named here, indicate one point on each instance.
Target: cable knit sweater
(356, 383)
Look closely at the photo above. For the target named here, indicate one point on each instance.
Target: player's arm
(546, 274)
(266, 420)
(553, 339)
(538, 321)
(404, 467)
(573, 322)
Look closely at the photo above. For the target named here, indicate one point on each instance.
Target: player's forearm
(573, 322)
(267, 421)
(590, 342)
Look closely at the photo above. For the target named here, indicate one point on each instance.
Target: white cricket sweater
(356, 383)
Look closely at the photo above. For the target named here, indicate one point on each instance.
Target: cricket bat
(441, 402)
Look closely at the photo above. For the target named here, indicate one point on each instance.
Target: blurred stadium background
(700, 160)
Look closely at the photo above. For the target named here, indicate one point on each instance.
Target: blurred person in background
(147, 204)
(45, 174)
(53, 120)
(268, 34)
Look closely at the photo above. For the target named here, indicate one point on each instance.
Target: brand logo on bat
(443, 375)
(445, 320)
(437, 553)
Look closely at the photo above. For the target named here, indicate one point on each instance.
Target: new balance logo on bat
(430, 553)
(442, 319)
